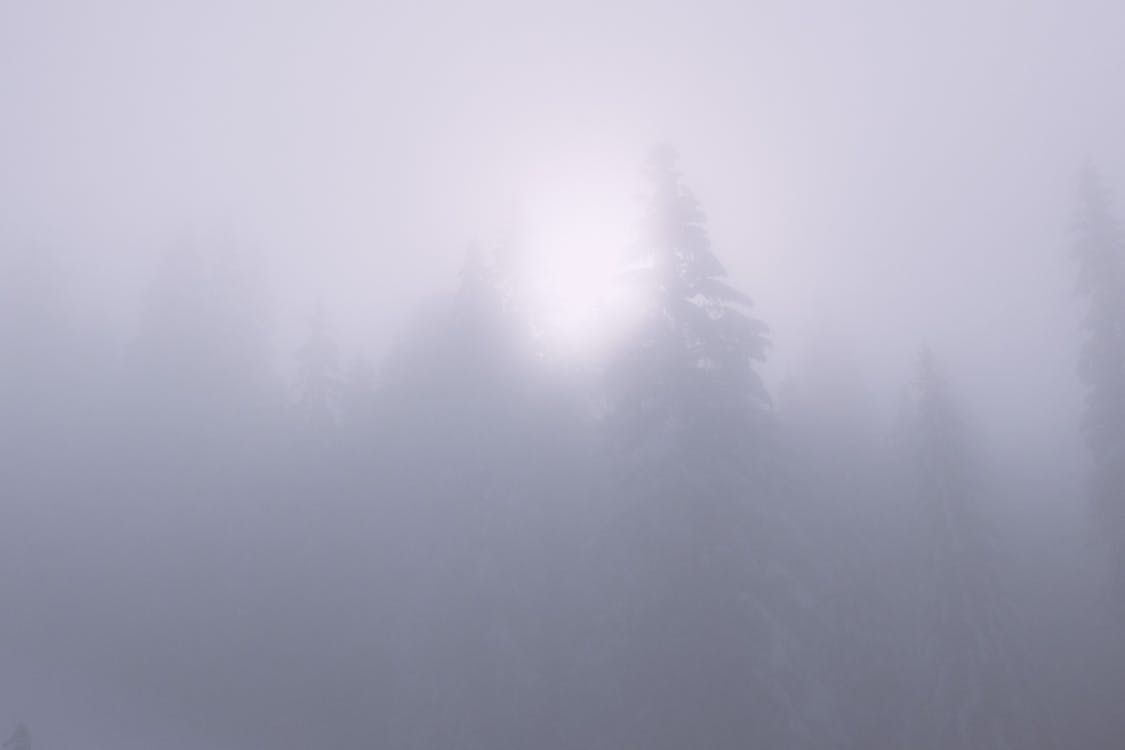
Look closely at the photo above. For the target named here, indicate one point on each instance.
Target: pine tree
(691, 367)
(1098, 249)
(41, 354)
(319, 381)
(709, 634)
(201, 360)
(357, 393)
(834, 480)
(20, 739)
(972, 688)
(456, 424)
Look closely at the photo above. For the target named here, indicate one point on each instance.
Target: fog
(379, 374)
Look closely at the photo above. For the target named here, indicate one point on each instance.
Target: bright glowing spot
(579, 228)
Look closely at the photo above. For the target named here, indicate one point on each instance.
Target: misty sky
(854, 158)
(878, 172)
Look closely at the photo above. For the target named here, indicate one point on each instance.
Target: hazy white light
(579, 227)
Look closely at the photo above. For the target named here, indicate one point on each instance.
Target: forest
(477, 542)
(562, 375)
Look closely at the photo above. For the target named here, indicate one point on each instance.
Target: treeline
(462, 548)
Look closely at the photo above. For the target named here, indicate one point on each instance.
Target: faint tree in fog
(357, 392)
(713, 604)
(54, 421)
(201, 362)
(456, 425)
(463, 354)
(836, 483)
(1101, 280)
(39, 351)
(20, 739)
(690, 371)
(319, 382)
(970, 688)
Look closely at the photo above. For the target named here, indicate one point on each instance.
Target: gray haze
(879, 177)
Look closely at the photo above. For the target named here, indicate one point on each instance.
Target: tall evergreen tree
(461, 424)
(710, 614)
(319, 381)
(691, 368)
(834, 468)
(20, 739)
(972, 688)
(1099, 251)
(201, 373)
(40, 347)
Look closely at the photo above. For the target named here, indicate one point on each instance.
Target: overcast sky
(901, 172)
(880, 173)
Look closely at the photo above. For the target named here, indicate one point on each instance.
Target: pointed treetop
(20, 739)
(1095, 215)
(474, 269)
(662, 160)
(1090, 182)
(927, 369)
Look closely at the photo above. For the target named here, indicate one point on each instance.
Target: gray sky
(903, 170)
(890, 172)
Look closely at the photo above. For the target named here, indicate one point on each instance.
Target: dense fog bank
(368, 378)
(484, 539)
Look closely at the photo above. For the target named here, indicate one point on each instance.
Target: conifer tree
(972, 688)
(1100, 254)
(710, 637)
(20, 739)
(200, 359)
(834, 482)
(319, 382)
(453, 415)
(691, 366)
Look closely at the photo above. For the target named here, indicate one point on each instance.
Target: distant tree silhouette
(357, 396)
(20, 739)
(1099, 251)
(201, 374)
(972, 688)
(39, 350)
(454, 415)
(710, 639)
(833, 466)
(690, 369)
(319, 380)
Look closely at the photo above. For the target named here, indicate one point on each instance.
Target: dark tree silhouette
(690, 368)
(712, 626)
